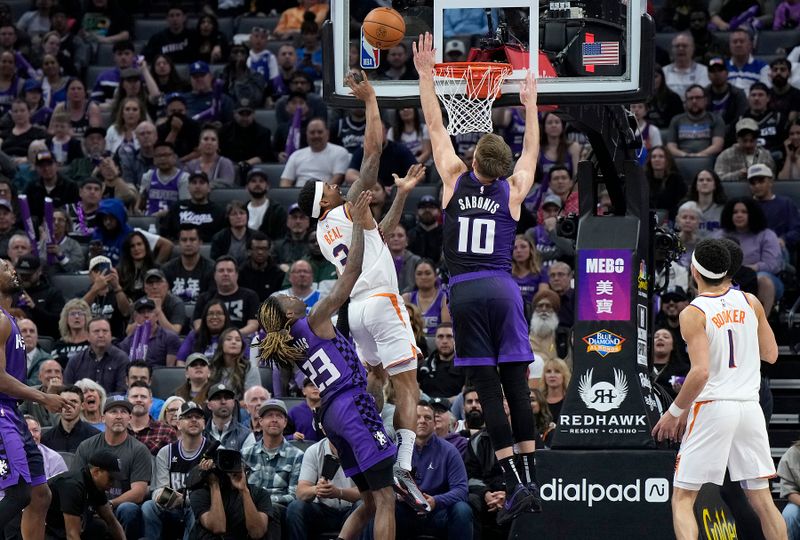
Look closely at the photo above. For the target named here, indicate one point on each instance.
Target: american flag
(601, 53)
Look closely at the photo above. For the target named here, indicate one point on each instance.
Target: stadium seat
(46, 343)
(222, 196)
(736, 189)
(417, 193)
(105, 55)
(267, 119)
(292, 402)
(664, 40)
(690, 166)
(273, 171)
(189, 309)
(166, 379)
(772, 42)
(70, 459)
(789, 189)
(245, 24)
(92, 73)
(205, 250)
(71, 285)
(143, 222)
(144, 28)
(285, 196)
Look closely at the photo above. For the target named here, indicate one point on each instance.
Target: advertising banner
(605, 284)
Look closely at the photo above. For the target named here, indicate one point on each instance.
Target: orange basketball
(384, 28)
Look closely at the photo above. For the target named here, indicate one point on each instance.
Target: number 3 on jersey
(318, 363)
(340, 252)
(476, 235)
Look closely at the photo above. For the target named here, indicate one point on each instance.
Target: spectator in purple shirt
(305, 428)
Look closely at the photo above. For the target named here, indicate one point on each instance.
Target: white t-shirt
(304, 164)
(678, 80)
(256, 215)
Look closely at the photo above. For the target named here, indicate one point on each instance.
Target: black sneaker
(406, 487)
(518, 500)
(536, 504)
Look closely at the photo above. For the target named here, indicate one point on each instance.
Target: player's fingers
(396, 178)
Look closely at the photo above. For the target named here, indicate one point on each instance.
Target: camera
(567, 227)
(225, 461)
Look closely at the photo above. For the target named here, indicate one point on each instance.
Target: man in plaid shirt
(152, 433)
(274, 462)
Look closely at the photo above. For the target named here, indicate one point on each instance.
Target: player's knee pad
(754, 484)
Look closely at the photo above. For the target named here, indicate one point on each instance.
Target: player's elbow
(770, 355)
(701, 373)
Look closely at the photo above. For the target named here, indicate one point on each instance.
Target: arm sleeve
(309, 470)
(456, 479)
(290, 169)
(142, 470)
(161, 470)
(342, 161)
(771, 257)
(186, 347)
(719, 127)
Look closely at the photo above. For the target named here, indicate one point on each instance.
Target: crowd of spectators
(118, 167)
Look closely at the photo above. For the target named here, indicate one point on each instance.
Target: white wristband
(675, 411)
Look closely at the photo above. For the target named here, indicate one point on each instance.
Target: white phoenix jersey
(334, 235)
(734, 370)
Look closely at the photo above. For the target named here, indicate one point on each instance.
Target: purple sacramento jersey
(348, 413)
(19, 456)
(432, 317)
(161, 196)
(514, 132)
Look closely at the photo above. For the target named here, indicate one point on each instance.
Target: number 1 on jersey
(731, 362)
(482, 232)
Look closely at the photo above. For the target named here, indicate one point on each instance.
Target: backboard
(584, 52)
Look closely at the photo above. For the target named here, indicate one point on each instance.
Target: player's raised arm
(320, 317)
(525, 170)
(767, 346)
(373, 136)
(447, 162)
(404, 186)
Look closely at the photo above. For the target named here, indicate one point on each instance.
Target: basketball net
(467, 90)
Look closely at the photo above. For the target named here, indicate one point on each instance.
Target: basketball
(384, 28)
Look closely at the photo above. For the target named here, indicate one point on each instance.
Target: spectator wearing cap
(112, 230)
(733, 162)
(442, 478)
(264, 215)
(79, 490)
(134, 162)
(437, 375)
(275, 462)
(201, 102)
(179, 128)
(49, 183)
(162, 344)
(260, 59)
(105, 296)
(94, 146)
(673, 301)
(241, 303)
(170, 310)
(165, 184)
(219, 169)
(191, 273)
(148, 431)
(320, 160)
(223, 427)
(107, 82)
(445, 424)
(549, 244)
(101, 362)
(294, 246)
(782, 213)
(198, 371)
(771, 124)
(302, 415)
(455, 51)
(697, 132)
(743, 68)
(244, 141)
(176, 41)
(19, 137)
(684, 71)
(232, 239)
(292, 19)
(172, 464)
(40, 112)
(40, 301)
(127, 491)
(197, 210)
(8, 225)
(70, 430)
(784, 97)
(322, 503)
(259, 272)
(425, 238)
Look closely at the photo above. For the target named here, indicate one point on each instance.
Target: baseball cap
(427, 201)
(219, 388)
(244, 104)
(130, 73)
(43, 156)
(117, 401)
(295, 207)
(6, 203)
(440, 404)
(197, 357)
(28, 263)
(759, 169)
(552, 199)
(105, 460)
(255, 171)
(199, 68)
(100, 259)
(455, 45)
(154, 273)
(717, 63)
(676, 293)
(199, 174)
(190, 407)
(747, 124)
(94, 130)
(143, 303)
(173, 96)
(273, 405)
(32, 85)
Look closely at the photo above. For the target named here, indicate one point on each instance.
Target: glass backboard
(583, 51)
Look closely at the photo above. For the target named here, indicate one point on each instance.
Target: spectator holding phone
(106, 297)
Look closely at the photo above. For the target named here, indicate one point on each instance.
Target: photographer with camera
(224, 504)
(173, 462)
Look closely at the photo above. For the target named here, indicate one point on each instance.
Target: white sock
(405, 450)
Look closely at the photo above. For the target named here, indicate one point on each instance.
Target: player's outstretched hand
(55, 403)
(424, 54)
(528, 91)
(361, 212)
(360, 86)
(415, 173)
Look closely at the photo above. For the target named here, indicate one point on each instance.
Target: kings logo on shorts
(604, 343)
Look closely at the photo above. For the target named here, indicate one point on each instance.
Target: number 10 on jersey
(476, 235)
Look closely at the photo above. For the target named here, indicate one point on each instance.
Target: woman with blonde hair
(417, 327)
(527, 270)
(555, 381)
(73, 326)
(543, 417)
(231, 366)
(130, 114)
(94, 396)
(170, 411)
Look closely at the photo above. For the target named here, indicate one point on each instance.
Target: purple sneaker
(518, 500)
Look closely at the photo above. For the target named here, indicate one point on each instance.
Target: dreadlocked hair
(277, 346)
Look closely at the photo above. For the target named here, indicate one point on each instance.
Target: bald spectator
(301, 280)
(253, 398)
(320, 160)
(19, 245)
(36, 356)
(684, 71)
(51, 379)
(560, 278)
